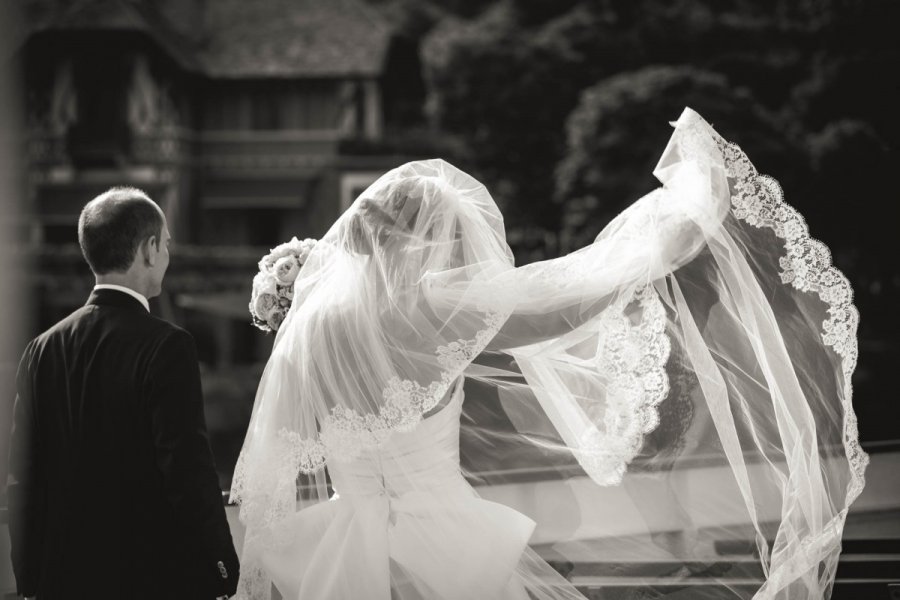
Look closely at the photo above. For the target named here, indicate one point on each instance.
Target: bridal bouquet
(273, 286)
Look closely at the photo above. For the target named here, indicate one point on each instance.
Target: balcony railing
(226, 150)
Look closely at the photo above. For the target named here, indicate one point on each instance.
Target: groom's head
(124, 236)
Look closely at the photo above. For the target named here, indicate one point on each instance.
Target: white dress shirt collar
(137, 296)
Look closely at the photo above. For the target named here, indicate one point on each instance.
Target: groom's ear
(149, 250)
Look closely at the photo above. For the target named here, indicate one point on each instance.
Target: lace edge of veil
(638, 383)
(758, 200)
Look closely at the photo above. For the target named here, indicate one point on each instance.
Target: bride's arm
(650, 239)
(556, 296)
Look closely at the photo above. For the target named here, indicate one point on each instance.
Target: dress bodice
(421, 459)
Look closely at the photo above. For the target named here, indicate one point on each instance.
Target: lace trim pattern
(758, 200)
(254, 583)
(345, 434)
(287, 456)
(260, 512)
(633, 358)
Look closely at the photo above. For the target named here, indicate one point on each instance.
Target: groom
(113, 491)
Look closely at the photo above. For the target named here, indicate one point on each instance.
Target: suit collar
(110, 297)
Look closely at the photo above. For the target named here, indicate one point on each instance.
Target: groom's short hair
(113, 225)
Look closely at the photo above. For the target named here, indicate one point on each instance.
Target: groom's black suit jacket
(113, 491)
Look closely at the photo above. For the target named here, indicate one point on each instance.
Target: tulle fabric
(679, 387)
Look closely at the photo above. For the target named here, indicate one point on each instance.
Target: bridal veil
(680, 388)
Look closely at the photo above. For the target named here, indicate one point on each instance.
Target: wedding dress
(681, 383)
(388, 499)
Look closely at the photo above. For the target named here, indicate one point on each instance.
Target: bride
(676, 389)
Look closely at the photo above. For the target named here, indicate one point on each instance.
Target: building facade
(248, 122)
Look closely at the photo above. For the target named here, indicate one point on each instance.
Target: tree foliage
(771, 75)
(617, 132)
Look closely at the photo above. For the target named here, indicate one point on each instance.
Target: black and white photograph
(449, 300)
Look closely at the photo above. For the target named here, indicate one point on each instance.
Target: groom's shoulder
(62, 328)
(159, 331)
(170, 330)
(139, 326)
(168, 335)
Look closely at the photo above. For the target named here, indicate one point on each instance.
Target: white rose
(263, 305)
(305, 247)
(264, 283)
(286, 269)
(284, 249)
